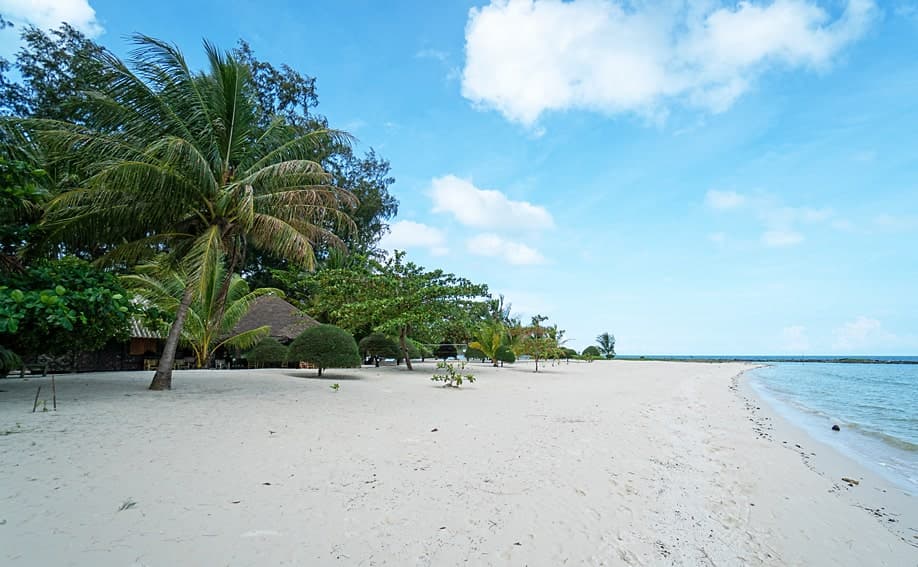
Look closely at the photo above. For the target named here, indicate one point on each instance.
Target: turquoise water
(876, 406)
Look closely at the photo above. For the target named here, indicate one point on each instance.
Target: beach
(604, 463)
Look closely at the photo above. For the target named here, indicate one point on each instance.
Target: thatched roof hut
(285, 320)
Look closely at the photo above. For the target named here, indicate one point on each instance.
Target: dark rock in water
(836, 428)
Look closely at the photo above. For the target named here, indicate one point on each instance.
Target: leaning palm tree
(208, 325)
(177, 164)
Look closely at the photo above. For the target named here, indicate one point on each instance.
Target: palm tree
(490, 336)
(208, 326)
(178, 164)
(606, 342)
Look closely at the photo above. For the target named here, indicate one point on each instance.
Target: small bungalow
(285, 320)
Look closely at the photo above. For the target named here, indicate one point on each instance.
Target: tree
(538, 341)
(61, 307)
(209, 324)
(180, 165)
(325, 346)
(490, 336)
(269, 351)
(378, 346)
(606, 343)
(506, 354)
(592, 351)
(395, 297)
(22, 194)
(472, 353)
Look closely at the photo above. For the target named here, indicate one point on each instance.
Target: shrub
(446, 350)
(506, 354)
(592, 351)
(568, 353)
(379, 346)
(268, 352)
(418, 350)
(325, 346)
(452, 378)
(474, 353)
(8, 361)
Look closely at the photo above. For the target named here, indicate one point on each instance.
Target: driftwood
(35, 404)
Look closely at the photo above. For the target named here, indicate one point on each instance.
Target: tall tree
(606, 342)
(396, 297)
(179, 164)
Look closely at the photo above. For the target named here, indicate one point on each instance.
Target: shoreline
(894, 506)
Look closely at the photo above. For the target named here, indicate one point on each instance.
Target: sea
(875, 405)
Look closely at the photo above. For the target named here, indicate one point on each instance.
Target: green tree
(506, 354)
(180, 164)
(538, 341)
(490, 336)
(61, 307)
(268, 352)
(606, 342)
(209, 323)
(22, 194)
(591, 351)
(472, 353)
(379, 346)
(395, 297)
(325, 346)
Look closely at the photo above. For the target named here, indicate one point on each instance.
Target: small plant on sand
(335, 387)
(452, 378)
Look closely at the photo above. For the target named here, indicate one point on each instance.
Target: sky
(695, 177)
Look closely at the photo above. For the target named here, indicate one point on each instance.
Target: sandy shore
(610, 463)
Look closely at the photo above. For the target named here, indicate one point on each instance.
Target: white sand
(621, 463)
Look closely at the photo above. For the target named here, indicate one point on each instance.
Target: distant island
(739, 358)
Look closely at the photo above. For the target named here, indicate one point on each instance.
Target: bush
(506, 354)
(379, 346)
(325, 346)
(268, 352)
(446, 350)
(418, 350)
(8, 361)
(452, 378)
(474, 354)
(591, 351)
(568, 353)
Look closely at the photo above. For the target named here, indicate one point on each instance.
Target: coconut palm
(489, 337)
(177, 163)
(606, 342)
(208, 325)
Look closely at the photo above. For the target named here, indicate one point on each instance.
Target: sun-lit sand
(610, 463)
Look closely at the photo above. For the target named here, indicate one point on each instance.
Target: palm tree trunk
(403, 342)
(162, 380)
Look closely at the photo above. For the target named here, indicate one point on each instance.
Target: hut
(285, 320)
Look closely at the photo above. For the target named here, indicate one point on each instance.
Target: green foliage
(606, 342)
(489, 337)
(394, 297)
(446, 350)
(592, 351)
(22, 194)
(567, 353)
(210, 319)
(418, 350)
(452, 376)
(268, 352)
(505, 354)
(325, 346)
(62, 306)
(9, 361)
(378, 346)
(538, 341)
(472, 353)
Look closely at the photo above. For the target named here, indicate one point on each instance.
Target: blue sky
(695, 177)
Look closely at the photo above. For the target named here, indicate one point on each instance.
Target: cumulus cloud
(51, 13)
(781, 237)
(484, 208)
(862, 333)
(526, 57)
(495, 246)
(405, 235)
(723, 199)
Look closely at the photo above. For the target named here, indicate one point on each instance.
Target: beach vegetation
(538, 341)
(378, 346)
(472, 353)
(606, 345)
(505, 354)
(268, 352)
(489, 338)
(592, 351)
(325, 346)
(452, 374)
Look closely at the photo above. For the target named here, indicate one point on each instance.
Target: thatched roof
(285, 320)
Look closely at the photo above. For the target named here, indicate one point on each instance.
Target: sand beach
(605, 463)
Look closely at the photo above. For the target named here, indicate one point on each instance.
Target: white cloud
(51, 13)
(526, 57)
(432, 54)
(795, 339)
(862, 333)
(780, 238)
(495, 246)
(409, 234)
(723, 199)
(484, 208)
